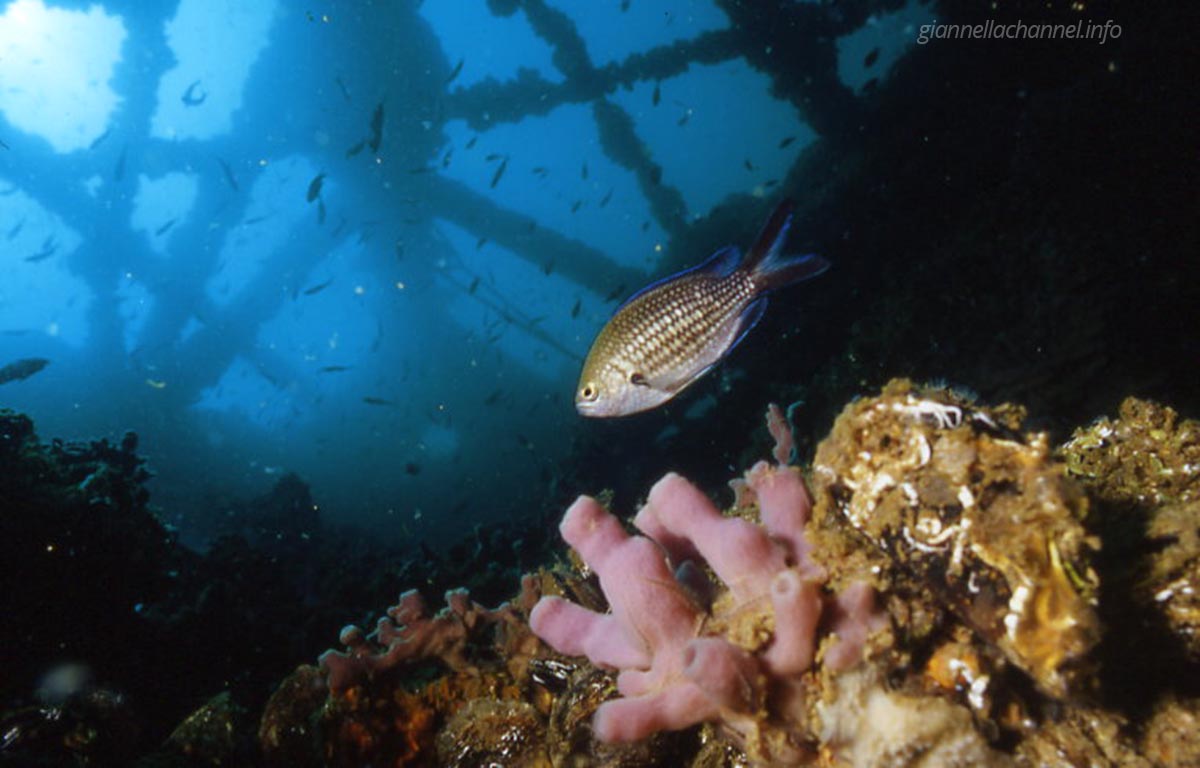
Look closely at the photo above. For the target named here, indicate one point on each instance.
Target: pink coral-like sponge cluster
(408, 633)
(680, 662)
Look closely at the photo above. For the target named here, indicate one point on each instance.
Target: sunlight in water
(215, 43)
(55, 70)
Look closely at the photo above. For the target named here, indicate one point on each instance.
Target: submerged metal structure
(380, 54)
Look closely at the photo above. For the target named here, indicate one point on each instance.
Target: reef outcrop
(943, 596)
(942, 586)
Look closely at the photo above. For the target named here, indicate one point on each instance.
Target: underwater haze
(278, 237)
(369, 244)
(323, 275)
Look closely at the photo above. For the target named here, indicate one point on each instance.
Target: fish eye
(589, 392)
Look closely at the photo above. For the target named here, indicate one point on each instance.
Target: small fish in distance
(376, 137)
(193, 96)
(314, 188)
(230, 179)
(22, 369)
(499, 173)
(672, 332)
(313, 291)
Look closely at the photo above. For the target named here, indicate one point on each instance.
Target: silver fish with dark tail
(671, 333)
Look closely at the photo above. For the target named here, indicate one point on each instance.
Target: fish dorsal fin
(772, 236)
(723, 262)
(720, 264)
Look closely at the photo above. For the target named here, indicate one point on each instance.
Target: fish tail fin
(766, 261)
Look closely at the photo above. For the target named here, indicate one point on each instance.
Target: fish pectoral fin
(677, 384)
(638, 380)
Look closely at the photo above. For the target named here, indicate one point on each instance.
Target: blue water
(408, 339)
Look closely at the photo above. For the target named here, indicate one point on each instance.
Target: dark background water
(369, 244)
(1013, 216)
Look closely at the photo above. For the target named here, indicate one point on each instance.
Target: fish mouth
(586, 408)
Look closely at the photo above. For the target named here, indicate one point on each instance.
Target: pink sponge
(678, 663)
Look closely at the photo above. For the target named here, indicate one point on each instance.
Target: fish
(376, 138)
(49, 247)
(354, 150)
(413, 468)
(471, 142)
(22, 369)
(669, 334)
(319, 287)
(786, 142)
(575, 309)
(604, 200)
(314, 187)
(583, 172)
(189, 97)
(100, 139)
(499, 173)
(454, 72)
(4, 145)
(657, 96)
(749, 165)
(871, 57)
(341, 84)
(473, 286)
(541, 171)
(230, 179)
(335, 369)
(446, 158)
(165, 228)
(575, 206)
(377, 401)
(16, 230)
(156, 384)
